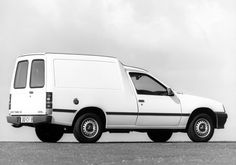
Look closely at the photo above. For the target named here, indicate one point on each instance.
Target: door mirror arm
(170, 92)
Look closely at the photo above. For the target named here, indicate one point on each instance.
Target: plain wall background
(190, 45)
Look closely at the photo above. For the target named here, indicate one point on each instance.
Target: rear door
(37, 90)
(28, 93)
(19, 91)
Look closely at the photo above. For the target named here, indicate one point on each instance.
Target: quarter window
(37, 74)
(147, 85)
(21, 75)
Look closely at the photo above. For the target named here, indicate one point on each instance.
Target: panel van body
(86, 95)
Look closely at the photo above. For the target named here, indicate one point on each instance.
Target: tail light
(9, 102)
(49, 102)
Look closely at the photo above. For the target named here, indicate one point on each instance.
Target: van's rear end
(29, 101)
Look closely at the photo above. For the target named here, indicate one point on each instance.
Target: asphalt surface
(13, 153)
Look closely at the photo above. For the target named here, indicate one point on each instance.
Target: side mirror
(170, 92)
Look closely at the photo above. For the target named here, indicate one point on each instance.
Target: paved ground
(117, 153)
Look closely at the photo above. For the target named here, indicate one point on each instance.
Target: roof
(82, 55)
(98, 57)
(55, 53)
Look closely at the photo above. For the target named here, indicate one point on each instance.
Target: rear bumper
(16, 120)
(221, 118)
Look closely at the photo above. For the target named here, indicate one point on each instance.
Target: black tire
(201, 128)
(49, 133)
(88, 128)
(159, 135)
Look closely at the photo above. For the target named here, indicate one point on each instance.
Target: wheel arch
(95, 110)
(204, 110)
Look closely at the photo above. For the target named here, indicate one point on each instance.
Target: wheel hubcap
(89, 128)
(202, 128)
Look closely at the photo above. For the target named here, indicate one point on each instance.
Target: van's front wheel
(49, 133)
(88, 128)
(201, 128)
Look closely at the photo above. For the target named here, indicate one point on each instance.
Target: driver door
(156, 108)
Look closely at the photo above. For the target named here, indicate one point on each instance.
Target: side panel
(95, 84)
(125, 112)
(86, 74)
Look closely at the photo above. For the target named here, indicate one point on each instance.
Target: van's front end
(29, 102)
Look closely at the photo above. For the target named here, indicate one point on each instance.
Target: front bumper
(16, 120)
(221, 118)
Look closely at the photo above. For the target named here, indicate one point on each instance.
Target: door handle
(141, 101)
(31, 92)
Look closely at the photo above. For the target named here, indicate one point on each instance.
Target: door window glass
(21, 75)
(37, 74)
(147, 85)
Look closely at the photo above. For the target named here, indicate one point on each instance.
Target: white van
(87, 95)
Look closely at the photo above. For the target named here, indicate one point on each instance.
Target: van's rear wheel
(49, 133)
(159, 135)
(88, 128)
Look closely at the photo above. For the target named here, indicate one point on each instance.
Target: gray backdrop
(188, 44)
